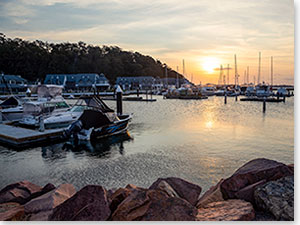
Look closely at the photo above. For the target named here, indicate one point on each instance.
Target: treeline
(33, 60)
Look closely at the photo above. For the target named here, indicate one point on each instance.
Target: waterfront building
(133, 83)
(12, 84)
(79, 82)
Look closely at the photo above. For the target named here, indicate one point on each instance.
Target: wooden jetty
(255, 99)
(137, 99)
(19, 137)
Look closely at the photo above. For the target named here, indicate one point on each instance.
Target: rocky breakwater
(261, 189)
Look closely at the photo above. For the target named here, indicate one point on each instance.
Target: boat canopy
(95, 102)
(93, 118)
(9, 102)
(49, 91)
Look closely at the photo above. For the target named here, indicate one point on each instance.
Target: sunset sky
(205, 33)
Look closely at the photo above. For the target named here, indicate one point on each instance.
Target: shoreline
(245, 195)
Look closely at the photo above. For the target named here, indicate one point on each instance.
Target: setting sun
(210, 63)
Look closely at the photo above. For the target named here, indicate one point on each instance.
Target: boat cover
(93, 118)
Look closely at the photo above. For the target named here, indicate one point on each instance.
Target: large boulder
(120, 194)
(90, 203)
(230, 210)
(177, 187)
(214, 194)
(154, 205)
(20, 192)
(254, 173)
(11, 212)
(277, 197)
(41, 207)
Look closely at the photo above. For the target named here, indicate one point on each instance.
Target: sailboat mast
(228, 74)
(177, 84)
(271, 71)
(259, 64)
(248, 75)
(236, 75)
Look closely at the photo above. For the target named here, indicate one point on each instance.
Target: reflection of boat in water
(101, 147)
(97, 121)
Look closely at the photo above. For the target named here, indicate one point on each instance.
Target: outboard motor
(74, 129)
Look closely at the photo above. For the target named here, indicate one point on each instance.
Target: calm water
(198, 140)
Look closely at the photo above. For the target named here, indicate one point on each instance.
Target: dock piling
(284, 98)
(41, 123)
(119, 100)
(236, 97)
(225, 98)
(264, 105)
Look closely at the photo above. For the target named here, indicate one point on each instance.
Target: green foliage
(33, 60)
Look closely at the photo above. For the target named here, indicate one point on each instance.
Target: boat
(282, 92)
(220, 92)
(208, 90)
(263, 90)
(12, 108)
(250, 91)
(186, 93)
(50, 102)
(97, 121)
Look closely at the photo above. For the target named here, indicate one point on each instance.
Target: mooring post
(119, 100)
(277, 96)
(264, 105)
(225, 98)
(147, 94)
(236, 98)
(41, 123)
(284, 98)
(151, 93)
(138, 92)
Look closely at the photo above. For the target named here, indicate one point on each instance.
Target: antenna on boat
(259, 65)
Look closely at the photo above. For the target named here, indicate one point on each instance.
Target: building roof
(81, 79)
(18, 78)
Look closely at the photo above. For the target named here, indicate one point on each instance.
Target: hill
(33, 60)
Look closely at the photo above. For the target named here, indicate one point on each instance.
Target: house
(12, 84)
(133, 83)
(79, 81)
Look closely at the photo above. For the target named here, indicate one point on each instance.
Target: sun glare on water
(209, 64)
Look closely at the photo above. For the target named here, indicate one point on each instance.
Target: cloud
(166, 29)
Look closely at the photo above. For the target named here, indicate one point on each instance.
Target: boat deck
(22, 137)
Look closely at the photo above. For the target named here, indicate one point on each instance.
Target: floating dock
(255, 99)
(19, 137)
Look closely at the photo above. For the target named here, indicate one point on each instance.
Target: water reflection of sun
(209, 124)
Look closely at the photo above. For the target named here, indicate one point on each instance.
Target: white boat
(12, 108)
(282, 92)
(263, 90)
(250, 91)
(33, 110)
(208, 90)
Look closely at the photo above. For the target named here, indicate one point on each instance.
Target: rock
(154, 205)
(214, 194)
(90, 203)
(118, 197)
(250, 174)
(230, 210)
(48, 187)
(20, 192)
(182, 188)
(11, 212)
(43, 205)
(277, 197)
(291, 166)
(247, 192)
